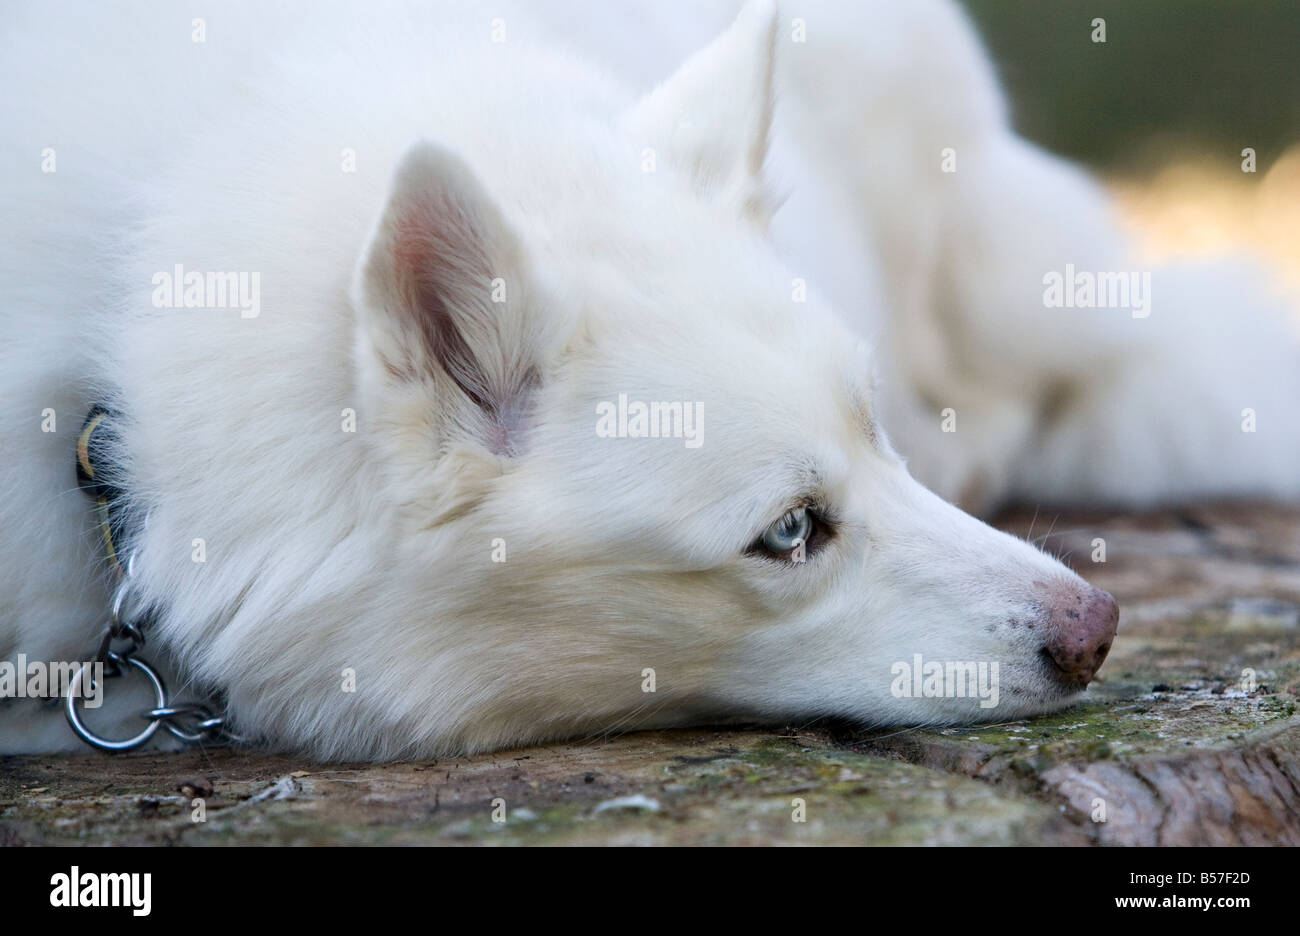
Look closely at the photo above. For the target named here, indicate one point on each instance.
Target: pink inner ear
(440, 261)
(441, 265)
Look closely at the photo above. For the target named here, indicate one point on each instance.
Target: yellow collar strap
(95, 476)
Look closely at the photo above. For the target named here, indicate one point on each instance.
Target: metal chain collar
(192, 724)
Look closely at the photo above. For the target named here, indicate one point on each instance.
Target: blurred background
(1163, 109)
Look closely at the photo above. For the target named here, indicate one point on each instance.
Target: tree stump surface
(1190, 735)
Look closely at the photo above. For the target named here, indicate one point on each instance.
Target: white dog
(462, 398)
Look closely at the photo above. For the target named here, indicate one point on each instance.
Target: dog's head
(637, 474)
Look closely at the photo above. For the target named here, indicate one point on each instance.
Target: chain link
(192, 724)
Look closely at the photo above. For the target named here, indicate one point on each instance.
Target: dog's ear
(713, 116)
(441, 294)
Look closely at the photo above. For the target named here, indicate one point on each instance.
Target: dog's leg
(1205, 402)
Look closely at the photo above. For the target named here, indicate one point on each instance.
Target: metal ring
(119, 595)
(219, 733)
(108, 744)
(165, 714)
(133, 632)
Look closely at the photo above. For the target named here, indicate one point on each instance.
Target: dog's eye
(789, 531)
(792, 537)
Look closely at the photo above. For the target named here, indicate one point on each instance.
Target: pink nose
(1083, 623)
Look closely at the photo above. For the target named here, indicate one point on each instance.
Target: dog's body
(382, 519)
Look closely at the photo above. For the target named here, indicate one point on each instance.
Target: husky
(483, 376)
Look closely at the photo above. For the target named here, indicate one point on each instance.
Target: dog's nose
(1083, 624)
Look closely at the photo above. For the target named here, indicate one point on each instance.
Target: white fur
(370, 551)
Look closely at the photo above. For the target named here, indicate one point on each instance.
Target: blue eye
(789, 532)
